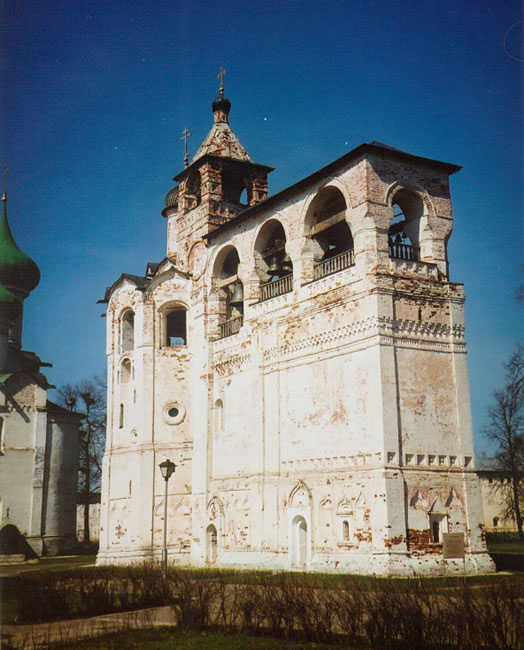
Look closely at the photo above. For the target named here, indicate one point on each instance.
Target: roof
(221, 141)
(56, 409)
(139, 280)
(374, 148)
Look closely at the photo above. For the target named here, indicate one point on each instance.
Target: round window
(173, 412)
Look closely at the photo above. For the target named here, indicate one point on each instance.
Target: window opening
(345, 530)
(232, 295)
(176, 327)
(121, 417)
(403, 234)
(274, 264)
(125, 371)
(330, 237)
(128, 331)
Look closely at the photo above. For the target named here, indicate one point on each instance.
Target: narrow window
(345, 530)
(435, 532)
(176, 333)
(495, 522)
(128, 331)
(125, 371)
(1, 436)
(219, 415)
(121, 417)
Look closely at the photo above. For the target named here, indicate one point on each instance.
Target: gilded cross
(6, 171)
(185, 135)
(220, 77)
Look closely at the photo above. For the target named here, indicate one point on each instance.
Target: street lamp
(167, 468)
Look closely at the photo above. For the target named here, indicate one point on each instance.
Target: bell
(287, 267)
(237, 298)
(273, 267)
(398, 239)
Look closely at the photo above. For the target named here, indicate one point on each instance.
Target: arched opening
(128, 331)
(404, 230)
(175, 327)
(219, 415)
(234, 187)
(231, 292)
(299, 542)
(125, 371)
(121, 417)
(273, 264)
(330, 240)
(211, 544)
(193, 190)
(345, 530)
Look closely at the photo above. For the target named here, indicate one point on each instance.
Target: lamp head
(167, 468)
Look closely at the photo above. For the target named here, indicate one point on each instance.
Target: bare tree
(506, 430)
(88, 397)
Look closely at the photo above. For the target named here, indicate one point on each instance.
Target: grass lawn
(172, 639)
(515, 548)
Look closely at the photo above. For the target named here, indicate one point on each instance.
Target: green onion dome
(10, 307)
(17, 270)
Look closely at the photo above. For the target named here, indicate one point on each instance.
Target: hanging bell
(287, 267)
(398, 239)
(237, 298)
(273, 267)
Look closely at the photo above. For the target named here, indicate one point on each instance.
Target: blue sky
(96, 94)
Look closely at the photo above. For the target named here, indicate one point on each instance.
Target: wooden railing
(404, 252)
(231, 326)
(276, 287)
(334, 264)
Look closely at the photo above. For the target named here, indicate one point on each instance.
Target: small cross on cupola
(221, 105)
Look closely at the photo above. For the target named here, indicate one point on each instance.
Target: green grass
(514, 548)
(171, 639)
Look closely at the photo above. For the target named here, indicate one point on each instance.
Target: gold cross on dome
(6, 171)
(220, 77)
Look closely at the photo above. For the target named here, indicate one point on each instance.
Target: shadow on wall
(12, 542)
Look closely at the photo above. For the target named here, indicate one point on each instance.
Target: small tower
(220, 182)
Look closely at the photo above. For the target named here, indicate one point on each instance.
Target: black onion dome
(172, 197)
(221, 103)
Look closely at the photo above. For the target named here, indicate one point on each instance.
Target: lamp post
(167, 468)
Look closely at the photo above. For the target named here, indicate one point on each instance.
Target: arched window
(345, 530)
(125, 371)
(274, 266)
(128, 331)
(231, 291)
(404, 231)
(219, 415)
(330, 240)
(495, 522)
(175, 327)
(121, 417)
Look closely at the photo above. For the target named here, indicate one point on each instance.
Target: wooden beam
(327, 223)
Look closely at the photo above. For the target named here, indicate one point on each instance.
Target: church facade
(301, 358)
(39, 440)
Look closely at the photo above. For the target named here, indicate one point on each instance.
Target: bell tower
(220, 182)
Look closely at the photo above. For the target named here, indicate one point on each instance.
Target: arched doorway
(211, 544)
(299, 542)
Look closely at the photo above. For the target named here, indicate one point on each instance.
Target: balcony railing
(276, 287)
(334, 264)
(231, 326)
(404, 252)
